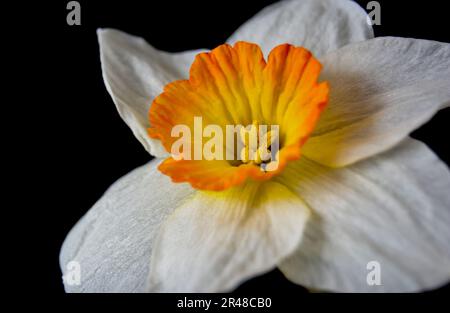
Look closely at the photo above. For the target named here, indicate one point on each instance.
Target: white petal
(318, 25)
(393, 209)
(135, 73)
(113, 241)
(380, 91)
(216, 240)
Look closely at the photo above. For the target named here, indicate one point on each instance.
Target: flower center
(235, 86)
(257, 145)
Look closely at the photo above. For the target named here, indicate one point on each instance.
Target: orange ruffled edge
(234, 85)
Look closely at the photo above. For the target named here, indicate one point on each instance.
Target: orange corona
(234, 85)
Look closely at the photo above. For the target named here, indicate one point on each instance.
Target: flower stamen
(256, 144)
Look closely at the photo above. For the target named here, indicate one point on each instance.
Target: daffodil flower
(351, 188)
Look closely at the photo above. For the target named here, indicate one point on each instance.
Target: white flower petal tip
(381, 225)
(134, 74)
(318, 25)
(112, 243)
(216, 240)
(380, 91)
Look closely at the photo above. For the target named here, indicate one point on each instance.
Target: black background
(78, 145)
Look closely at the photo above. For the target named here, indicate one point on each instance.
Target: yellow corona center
(256, 145)
(234, 85)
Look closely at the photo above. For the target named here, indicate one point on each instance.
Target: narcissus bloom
(351, 186)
